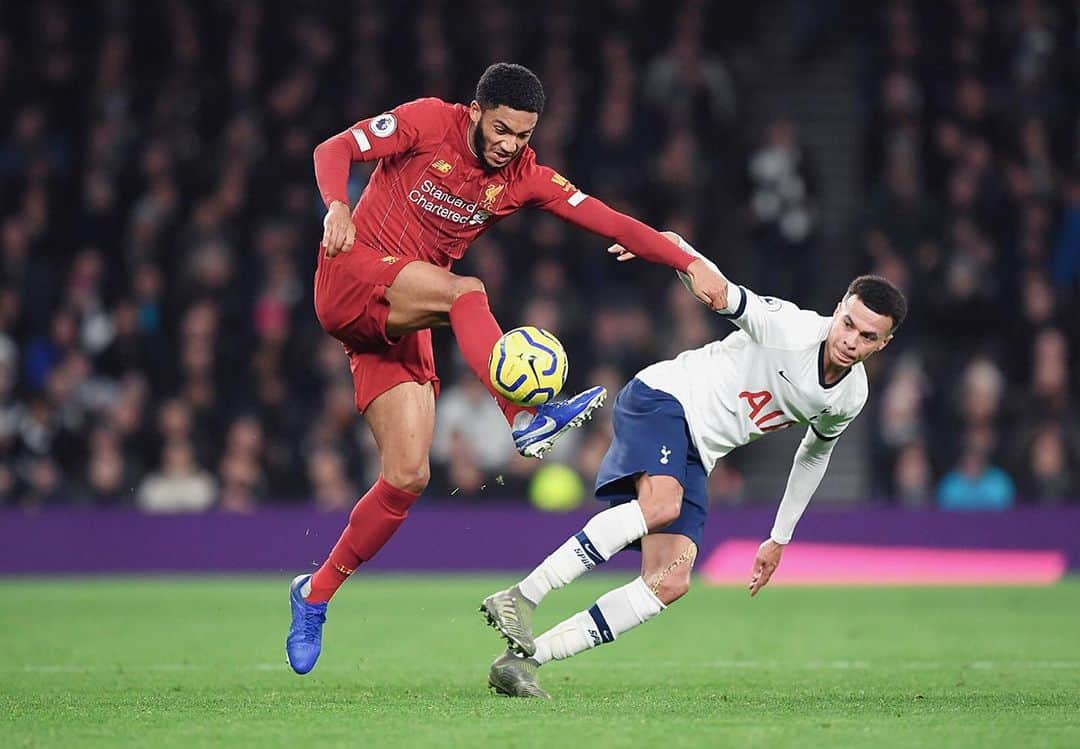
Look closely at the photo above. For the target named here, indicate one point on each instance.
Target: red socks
(477, 332)
(377, 515)
(373, 520)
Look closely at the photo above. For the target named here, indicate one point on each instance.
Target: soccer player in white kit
(672, 422)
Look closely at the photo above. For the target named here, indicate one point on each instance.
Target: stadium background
(159, 219)
(168, 402)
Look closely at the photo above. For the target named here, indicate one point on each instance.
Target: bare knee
(671, 588)
(661, 511)
(660, 499)
(462, 285)
(410, 474)
(669, 578)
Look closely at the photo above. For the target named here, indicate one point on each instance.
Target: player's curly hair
(513, 85)
(880, 295)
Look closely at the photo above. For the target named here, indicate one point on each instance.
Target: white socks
(616, 612)
(605, 534)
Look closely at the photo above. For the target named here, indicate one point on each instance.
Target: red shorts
(351, 304)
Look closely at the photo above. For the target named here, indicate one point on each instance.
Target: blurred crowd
(159, 223)
(974, 207)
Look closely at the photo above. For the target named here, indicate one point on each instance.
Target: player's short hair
(513, 85)
(880, 295)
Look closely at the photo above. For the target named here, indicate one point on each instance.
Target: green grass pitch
(200, 662)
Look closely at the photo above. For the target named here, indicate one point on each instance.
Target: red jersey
(430, 197)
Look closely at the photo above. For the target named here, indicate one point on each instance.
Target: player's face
(500, 133)
(856, 333)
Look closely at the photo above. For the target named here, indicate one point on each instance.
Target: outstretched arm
(599, 218)
(767, 320)
(556, 195)
(807, 470)
(811, 460)
(700, 276)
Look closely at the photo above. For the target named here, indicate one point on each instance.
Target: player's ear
(885, 342)
(475, 111)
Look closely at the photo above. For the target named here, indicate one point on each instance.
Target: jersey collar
(821, 369)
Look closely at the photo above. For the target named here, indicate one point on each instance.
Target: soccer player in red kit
(446, 173)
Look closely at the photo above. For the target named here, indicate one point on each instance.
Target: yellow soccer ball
(528, 366)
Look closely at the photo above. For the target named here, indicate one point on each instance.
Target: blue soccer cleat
(304, 642)
(553, 420)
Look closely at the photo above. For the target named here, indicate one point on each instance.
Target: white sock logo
(584, 557)
(664, 453)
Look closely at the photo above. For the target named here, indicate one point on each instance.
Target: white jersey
(766, 376)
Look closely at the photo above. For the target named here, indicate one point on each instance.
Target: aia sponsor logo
(757, 401)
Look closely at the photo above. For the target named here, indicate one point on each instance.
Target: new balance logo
(664, 453)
